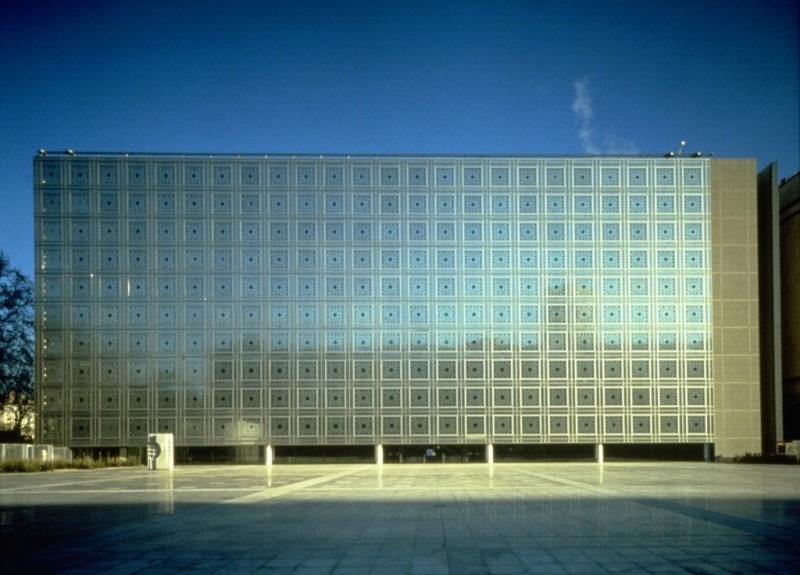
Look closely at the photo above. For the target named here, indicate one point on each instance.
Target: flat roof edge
(360, 156)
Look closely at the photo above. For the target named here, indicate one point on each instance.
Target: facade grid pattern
(397, 300)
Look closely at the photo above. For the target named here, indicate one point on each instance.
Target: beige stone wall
(734, 244)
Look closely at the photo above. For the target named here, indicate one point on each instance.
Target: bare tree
(16, 351)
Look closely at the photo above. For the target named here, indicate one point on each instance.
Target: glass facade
(373, 299)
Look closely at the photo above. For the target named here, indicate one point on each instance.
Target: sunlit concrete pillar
(269, 455)
(489, 453)
(599, 454)
(379, 454)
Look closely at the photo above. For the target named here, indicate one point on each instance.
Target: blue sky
(492, 76)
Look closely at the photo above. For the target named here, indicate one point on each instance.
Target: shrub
(779, 458)
(85, 462)
(20, 466)
(122, 462)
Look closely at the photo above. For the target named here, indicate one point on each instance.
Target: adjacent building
(282, 300)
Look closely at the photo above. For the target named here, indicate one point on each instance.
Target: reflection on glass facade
(381, 299)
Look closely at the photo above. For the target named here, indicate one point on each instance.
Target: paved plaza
(417, 519)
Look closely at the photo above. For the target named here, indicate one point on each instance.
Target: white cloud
(582, 104)
(614, 145)
(582, 107)
(584, 112)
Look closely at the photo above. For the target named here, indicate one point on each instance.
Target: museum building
(412, 301)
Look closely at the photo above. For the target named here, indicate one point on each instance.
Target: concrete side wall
(769, 281)
(734, 253)
(790, 301)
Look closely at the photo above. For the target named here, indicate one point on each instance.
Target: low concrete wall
(33, 452)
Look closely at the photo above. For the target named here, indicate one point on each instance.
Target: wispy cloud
(584, 112)
(582, 107)
(615, 145)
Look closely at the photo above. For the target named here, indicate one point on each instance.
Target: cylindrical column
(598, 453)
(489, 453)
(269, 455)
(379, 454)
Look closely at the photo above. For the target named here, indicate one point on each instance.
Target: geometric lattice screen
(373, 299)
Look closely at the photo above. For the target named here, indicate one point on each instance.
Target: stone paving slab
(411, 519)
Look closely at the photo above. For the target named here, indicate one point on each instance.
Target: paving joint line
(272, 492)
(157, 522)
(751, 526)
